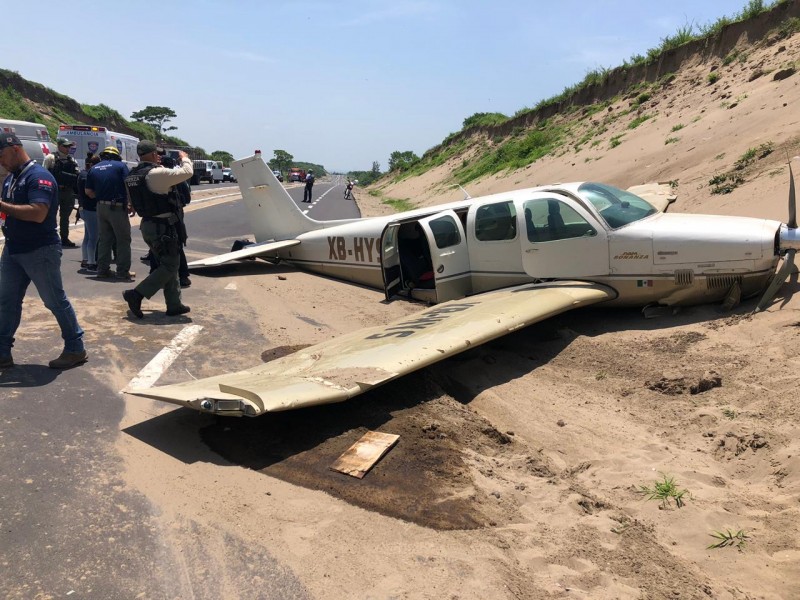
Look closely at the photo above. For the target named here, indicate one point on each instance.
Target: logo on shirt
(45, 182)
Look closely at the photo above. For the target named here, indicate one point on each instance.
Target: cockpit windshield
(617, 207)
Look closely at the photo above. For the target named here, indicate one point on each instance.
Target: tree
(376, 168)
(282, 161)
(400, 161)
(156, 117)
(222, 155)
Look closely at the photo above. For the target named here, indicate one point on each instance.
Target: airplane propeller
(788, 258)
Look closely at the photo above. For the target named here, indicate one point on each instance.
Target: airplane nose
(789, 239)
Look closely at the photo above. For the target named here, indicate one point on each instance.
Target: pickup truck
(296, 174)
(207, 170)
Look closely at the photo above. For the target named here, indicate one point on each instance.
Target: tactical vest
(65, 171)
(145, 202)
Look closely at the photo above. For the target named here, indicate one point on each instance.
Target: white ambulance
(93, 138)
(34, 137)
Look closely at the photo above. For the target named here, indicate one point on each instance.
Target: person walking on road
(32, 253)
(105, 183)
(65, 169)
(309, 186)
(151, 189)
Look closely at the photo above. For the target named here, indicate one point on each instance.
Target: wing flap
(338, 369)
(252, 251)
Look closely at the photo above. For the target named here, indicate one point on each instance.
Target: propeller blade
(780, 277)
(792, 222)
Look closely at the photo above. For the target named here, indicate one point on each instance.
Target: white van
(93, 138)
(34, 137)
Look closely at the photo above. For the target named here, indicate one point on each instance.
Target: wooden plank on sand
(362, 456)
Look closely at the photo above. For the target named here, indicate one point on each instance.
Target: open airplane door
(390, 261)
(449, 255)
(561, 240)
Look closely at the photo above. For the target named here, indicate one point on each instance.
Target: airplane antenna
(466, 193)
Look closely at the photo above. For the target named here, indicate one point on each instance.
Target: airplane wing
(660, 195)
(252, 251)
(351, 364)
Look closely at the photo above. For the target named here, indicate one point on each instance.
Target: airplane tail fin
(273, 214)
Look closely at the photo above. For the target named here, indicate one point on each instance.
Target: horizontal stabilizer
(338, 369)
(265, 249)
(660, 195)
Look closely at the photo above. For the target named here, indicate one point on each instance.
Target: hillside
(25, 100)
(716, 117)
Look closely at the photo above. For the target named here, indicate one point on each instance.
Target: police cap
(9, 139)
(145, 147)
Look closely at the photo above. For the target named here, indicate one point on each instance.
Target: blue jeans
(89, 246)
(43, 267)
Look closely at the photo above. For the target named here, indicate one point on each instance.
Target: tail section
(273, 214)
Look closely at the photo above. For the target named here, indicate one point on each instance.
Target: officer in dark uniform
(65, 169)
(152, 195)
(309, 186)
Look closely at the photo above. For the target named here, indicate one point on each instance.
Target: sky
(340, 83)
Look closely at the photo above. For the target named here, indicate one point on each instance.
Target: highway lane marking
(325, 193)
(162, 361)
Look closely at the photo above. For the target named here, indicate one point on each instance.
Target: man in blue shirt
(32, 252)
(106, 184)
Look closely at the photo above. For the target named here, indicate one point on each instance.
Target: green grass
(615, 141)
(399, 204)
(513, 153)
(727, 539)
(664, 490)
(725, 183)
(671, 140)
(677, 127)
(729, 413)
(712, 78)
(638, 121)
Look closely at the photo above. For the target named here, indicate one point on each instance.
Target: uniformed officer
(105, 182)
(32, 253)
(152, 195)
(65, 169)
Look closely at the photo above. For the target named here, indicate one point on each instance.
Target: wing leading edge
(338, 369)
(252, 251)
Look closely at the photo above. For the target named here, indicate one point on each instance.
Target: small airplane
(488, 266)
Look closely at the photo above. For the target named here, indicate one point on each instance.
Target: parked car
(227, 175)
(278, 175)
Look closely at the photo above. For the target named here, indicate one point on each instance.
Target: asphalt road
(68, 525)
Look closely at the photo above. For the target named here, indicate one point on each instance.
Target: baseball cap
(145, 147)
(9, 139)
(64, 142)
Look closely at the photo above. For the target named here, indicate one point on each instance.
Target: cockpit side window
(496, 222)
(551, 219)
(445, 232)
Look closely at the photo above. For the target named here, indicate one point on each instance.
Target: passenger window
(548, 220)
(445, 232)
(495, 222)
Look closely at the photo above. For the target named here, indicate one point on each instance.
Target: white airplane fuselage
(546, 233)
